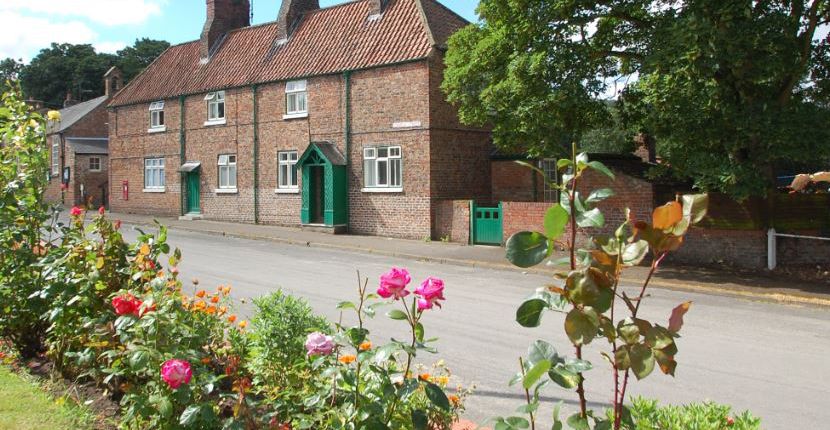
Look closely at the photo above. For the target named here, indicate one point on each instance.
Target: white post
(771, 249)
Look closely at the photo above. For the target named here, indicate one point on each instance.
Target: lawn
(25, 406)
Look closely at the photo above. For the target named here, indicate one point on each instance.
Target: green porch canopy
(324, 185)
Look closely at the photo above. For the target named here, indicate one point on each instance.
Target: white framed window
(227, 172)
(56, 154)
(94, 164)
(296, 99)
(287, 175)
(215, 106)
(157, 116)
(383, 168)
(154, 174)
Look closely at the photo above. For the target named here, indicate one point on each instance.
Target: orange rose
(232, 319)
(206, 361)
(424, 377)
(347, 359)
(211, 310)
(243, 324)
(365, 346)
(214, 299)
(201, 293)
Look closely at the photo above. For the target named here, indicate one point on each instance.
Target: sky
(110, 25)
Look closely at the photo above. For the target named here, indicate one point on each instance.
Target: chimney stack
(290, 13)
(113, 81)
(376, 7)
(69, 101)
(646, 147)
(222, 17)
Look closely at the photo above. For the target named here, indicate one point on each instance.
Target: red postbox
(125, 190)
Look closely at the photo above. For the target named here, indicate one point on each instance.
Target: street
(769, 358)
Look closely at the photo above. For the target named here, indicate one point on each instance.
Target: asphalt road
(769, 358)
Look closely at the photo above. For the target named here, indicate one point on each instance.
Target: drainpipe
(256, 154)
(347, 137)
(182, 140)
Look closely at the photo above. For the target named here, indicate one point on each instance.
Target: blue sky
(109, 25)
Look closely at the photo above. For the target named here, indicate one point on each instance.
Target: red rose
(125, 305)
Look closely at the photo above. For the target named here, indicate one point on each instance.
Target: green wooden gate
(487, 225)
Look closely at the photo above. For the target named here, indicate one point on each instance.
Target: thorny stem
(412, 318)
(527, 395)
(580, 390)
(617, 400)
(362, 293)
(654, 265)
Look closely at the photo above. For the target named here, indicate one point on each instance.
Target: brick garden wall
(452, 220)
(95, 183)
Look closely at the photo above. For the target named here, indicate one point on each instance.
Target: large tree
(729, 89)
(9, 71)
(134, 59)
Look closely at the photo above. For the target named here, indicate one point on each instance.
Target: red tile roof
(328, 40)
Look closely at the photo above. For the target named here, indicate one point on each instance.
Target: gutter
(347, 137)
(256, 153)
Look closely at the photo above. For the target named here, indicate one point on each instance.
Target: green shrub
(648, 415)
(279, 329)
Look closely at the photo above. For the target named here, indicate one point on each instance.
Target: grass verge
(24, 405)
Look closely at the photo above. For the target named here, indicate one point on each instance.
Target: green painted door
(193, 193)
(487, 226)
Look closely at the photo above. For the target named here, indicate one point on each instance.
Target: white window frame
(373, 165)
(214, 100)
(56, 155)
(97, 161)
(296, 99)
(154, 181)
(286, 164)
(226, 170)
(157, 123)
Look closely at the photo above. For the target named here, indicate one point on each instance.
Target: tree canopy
(79, 69)
(729, 89)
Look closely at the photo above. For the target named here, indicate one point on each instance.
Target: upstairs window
(157, 115)
(227, 172)
(296, 98)
(288, 170)
(56, 154)
(94, 164)
(216, 106)
(383, 167)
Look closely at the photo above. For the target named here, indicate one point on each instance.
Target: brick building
(78, 150)
(327, 117)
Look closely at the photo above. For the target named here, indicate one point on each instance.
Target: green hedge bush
(649, 415)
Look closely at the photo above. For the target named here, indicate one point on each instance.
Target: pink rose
(76, 211)
(431, 291)
(176, 372)
(319, 344)
(393, 284)
(101, 211)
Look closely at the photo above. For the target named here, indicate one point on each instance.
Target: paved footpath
(770, 358)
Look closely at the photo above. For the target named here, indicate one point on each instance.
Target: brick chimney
(113, 81)
(376, 7)
(69, 100)
(290, 13)
(646, 147)
(222, 17)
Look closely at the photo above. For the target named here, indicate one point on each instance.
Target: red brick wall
(452, 220)
(514, 182)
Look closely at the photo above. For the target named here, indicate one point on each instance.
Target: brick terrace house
(78, 150)
(326, 117)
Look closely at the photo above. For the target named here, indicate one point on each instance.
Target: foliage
(278, 359)
(592, 298)
(79, 70)
(707, 416)
(690, 75)
(24, 221)
(9, 72)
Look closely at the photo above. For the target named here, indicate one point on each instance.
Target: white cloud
(105, 12)
(109, 47)
(22, 36)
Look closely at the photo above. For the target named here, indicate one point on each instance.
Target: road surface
(769, 358)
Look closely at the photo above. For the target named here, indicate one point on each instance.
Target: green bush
(648, 415)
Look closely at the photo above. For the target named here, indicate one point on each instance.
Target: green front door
(193, 192)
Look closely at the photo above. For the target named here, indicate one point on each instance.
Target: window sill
(161, 129)
(215, 122)
(226, 191)
(295, 115)
(287, 191)
(154, 190)
(94, 171)
(382, 190)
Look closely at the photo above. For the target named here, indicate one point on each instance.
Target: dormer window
(157, 116)
(296, 99)
(215, 107)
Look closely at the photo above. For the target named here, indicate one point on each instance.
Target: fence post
(772, 248)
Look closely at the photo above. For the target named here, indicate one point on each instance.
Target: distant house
(79, 150)
(330, 118)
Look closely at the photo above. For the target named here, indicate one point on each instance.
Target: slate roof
(72, 114)
(326, 41)
(89, 145)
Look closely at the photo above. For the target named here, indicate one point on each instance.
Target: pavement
(751, 285)
(766, 357)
